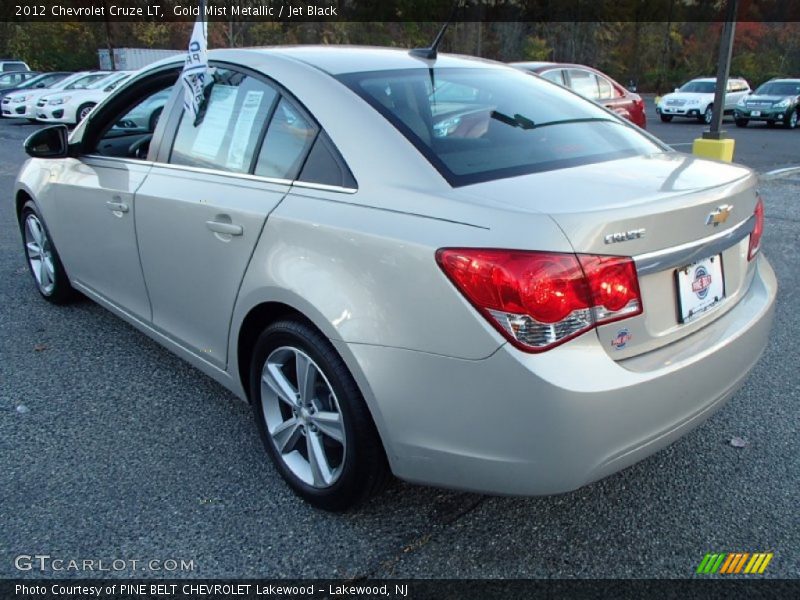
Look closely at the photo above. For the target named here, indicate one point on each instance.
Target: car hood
(687, 96)
(72, 94)
(33, 94)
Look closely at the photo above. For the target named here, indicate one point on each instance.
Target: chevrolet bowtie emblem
(719, 215)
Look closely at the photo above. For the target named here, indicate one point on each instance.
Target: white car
(23, 104)
(695, 99)
(71, 107)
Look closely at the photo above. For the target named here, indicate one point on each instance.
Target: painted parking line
(779, 173)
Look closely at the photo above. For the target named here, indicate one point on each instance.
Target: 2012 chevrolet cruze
(441, 268)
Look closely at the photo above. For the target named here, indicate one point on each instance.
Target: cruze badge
(719, 215)
(624, 236)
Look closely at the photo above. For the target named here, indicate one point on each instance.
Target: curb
(779, 173)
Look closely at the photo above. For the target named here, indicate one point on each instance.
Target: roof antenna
(430, 52)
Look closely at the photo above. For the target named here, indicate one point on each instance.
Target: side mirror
(677, 90)
(50, 142)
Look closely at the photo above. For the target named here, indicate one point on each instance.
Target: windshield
(45, 80)
(84, 82)
(112, 82)
(779, 88)
(699, 87)
(476, 125)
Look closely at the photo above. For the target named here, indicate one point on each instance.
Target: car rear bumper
(517, 423)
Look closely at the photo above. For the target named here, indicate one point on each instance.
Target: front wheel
(791, 121)
(312, 417)
(666, 118)
(741, 122)
(707, 115)
(43, 261)
(83, 111)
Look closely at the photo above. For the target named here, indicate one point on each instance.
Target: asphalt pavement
(114, 449)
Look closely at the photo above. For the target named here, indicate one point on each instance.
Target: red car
(592, 84)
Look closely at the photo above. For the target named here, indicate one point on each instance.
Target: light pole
(713, 144)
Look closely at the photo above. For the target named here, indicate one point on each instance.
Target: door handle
(117, 207)
(224, 228)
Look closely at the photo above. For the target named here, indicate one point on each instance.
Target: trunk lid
(668, 211)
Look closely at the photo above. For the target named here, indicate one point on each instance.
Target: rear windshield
(699, 87)
(779, 88)
(476, 125)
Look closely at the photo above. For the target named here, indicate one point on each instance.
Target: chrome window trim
(324, 187)
(686, 254)
(221, 173)
(286, 182)
(119, 159)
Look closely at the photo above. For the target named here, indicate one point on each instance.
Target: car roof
(337, 60)
(534, 64)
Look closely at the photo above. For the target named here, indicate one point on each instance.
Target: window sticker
(218, 115)
(243, 131)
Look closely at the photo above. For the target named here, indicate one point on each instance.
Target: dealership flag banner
(195, 71)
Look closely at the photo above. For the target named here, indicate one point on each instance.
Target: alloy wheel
(708, 115)
(302, 417)
(40, 255)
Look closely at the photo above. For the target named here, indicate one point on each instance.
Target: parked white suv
(695, 99)
(8, 64)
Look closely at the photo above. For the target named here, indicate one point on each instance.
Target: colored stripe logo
(733, 563)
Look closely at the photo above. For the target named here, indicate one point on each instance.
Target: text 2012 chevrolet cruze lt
(444, 269)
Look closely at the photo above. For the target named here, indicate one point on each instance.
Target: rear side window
(227, 137)
(289, 136)
(606, 90)
(584, 83)
(325, 165)
(556, 76)
(509, 124)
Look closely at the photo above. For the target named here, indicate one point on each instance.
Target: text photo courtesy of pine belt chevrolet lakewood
(441, 268)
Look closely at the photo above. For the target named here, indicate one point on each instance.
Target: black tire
(666, 118)
(790, 120)
(707, 116)
(153, 121)
(61, 291)
(82, 111)
(741, 122)
(364, 470)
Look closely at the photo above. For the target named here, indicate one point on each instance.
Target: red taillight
(538, 300)
(758, 230)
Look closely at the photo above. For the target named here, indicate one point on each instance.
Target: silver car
(443, 269)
